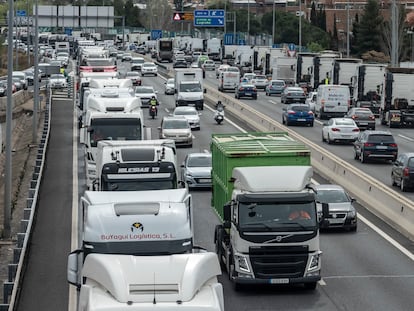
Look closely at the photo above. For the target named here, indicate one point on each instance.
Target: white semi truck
(137, 253)
(343, 71)
(284, 69)
(321, 72)
(136, 165)
(181, 282)
(110, 117)
(189, 89)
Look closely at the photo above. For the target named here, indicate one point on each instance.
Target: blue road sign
(20, 13)
(209, 18)
(156, 34)
(291, 47)
(68, 31)
(228, 38)
(242, 42)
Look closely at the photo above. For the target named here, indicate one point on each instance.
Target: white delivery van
(332, 101)
(229, 78)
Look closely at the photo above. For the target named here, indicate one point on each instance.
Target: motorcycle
(153, 111)
(219, 114)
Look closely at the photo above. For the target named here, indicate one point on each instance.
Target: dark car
(246, 90)
(341, 211)
(363, 117)
(375, 145)
(298, 114)
(402, 173)
(373, 105)
(180, 64)
(293, 94)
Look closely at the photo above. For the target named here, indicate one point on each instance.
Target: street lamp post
(300, 26)
(248, 21)
(347, 29)
(273, 24)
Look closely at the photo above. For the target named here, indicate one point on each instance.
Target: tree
(369, 29)
(314, 15)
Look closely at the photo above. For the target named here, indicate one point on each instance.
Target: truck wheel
(218, 239)
(310, 286)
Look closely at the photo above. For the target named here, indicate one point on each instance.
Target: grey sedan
(196, 170)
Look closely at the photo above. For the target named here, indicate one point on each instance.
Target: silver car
(57, 81)
(191, 114)
(177, 129)
(196, 170)
(169, 87)
(341, 211)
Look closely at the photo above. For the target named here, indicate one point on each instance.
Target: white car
(209, 65)
(136, 63)
(191, 114)
(169, 87)
(249, 76)
(260, 81)
(178, 129)
(340, 130)
(221, 68)
(149, 68)
(311, 100)
(145, 93)
(57, 81)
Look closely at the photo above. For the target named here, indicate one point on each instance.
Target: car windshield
(175, 124)
(57, 76)
(344, 122)
(148, 65)
(170, 81)
(185, 112)
(331, 196)
(362, 112)
(411, 162)
(132, 74)
(144, 90)
(381, 138)
(300, 108)
(191, 87)
(260, 78)
(200, 161)
(278, 83)
(138, 61)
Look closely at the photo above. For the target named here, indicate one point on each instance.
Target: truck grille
(278, 262)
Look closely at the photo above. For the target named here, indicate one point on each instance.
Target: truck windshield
(276, 216)
(139, 185)
(190, 87)
(115, 129)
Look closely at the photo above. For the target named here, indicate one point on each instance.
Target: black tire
(362, 157)
(356, 157)
(311, 124)
(329, 140)
(311, 285)
(403, 186)
(283, 121)
(393, 183)
(323, 138)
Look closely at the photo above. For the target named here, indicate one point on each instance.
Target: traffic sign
(20, 13)
(228, 38)
(156, 34)
(291, 47)
(183, 16)
(209, 18)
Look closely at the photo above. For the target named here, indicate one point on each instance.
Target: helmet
(153, 96)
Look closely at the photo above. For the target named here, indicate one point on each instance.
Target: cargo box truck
(259, 181)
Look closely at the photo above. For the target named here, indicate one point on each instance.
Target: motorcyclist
(153, 103)
(219, 106)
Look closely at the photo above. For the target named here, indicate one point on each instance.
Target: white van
(229, 79)
(332, 101)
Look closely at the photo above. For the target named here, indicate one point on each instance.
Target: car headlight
(352, 214)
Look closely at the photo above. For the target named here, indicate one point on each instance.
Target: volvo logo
(279, 238)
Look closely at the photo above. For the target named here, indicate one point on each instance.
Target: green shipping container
(246, 150)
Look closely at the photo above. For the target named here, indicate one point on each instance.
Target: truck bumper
(287, 281)
(199, 104)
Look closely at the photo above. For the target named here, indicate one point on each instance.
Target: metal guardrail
(15, 269)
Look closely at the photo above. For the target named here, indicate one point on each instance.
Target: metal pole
(225, 16)
(394, 40)
(248, 21)
(300, 26)
(8, 164)
(123, 30)
(28, 34)
(273, 24)
(36, 84)
(234, 28)
(17, 41)
(347, 29)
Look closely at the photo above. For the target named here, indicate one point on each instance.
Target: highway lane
(361, 271)
(271, 106)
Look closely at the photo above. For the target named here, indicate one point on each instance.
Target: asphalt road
(361, 271)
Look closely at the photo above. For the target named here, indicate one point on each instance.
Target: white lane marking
(272, 102)
(322, 282)
(373, 276)
(405, 137)
(74, 236)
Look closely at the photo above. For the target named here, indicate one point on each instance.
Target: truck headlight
(242, 263)
(314, 262)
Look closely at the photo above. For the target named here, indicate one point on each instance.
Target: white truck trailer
(344, 70)
(115, 118)
(189, 89)
(284, 69)
(181, 282)
(136, 165)
(214, 49)
(321, 72)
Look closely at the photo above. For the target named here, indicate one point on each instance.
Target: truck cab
(189, 89)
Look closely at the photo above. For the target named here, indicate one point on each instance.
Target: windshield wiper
(296, 223)
(259, 224)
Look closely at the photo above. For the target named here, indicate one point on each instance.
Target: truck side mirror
(74, 268)
(205, 90)
(227, 215)
(325, 214)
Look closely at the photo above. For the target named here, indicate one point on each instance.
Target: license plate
(363, 123)
(346, 136)
(248, 94)
(382, 147)
(206, 180)
(279, 281)
(335, 221)
(301, 120)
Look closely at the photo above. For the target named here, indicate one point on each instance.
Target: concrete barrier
(19, 98)
(377, 197)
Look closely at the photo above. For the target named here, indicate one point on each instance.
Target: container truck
(214, 49)
(367, 84)
(136, 165)
(284, 69)
(179, 282)
(259, 180)
(165, 50)
(321, 72)
(304, 67)
(344, 70)
(189, 88)
(397, 99)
